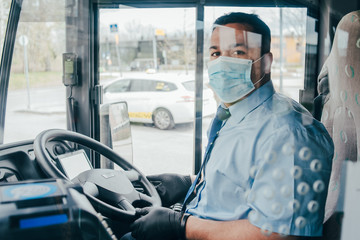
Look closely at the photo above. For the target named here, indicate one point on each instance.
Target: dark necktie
(221, 115)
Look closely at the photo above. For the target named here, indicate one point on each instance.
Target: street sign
(114, 28)
(23, 40)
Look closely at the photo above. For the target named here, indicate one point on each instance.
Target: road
(158, 151)
(154, 150)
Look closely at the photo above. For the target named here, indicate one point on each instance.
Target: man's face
(238, 41)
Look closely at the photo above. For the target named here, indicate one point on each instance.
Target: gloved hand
(158, 223)
(171, 187)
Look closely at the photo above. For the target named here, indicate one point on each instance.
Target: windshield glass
(36, 96)
(135, 44)
(141, 58)
(150, 64)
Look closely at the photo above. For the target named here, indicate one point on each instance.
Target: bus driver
(267, 165)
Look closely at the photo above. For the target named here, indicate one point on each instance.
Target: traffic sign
(114, 28)
(23, 40)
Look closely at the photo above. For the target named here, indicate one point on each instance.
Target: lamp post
(23, 40)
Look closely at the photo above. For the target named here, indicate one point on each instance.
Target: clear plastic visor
(235, 41)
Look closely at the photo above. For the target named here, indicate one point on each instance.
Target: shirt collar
(240, 109)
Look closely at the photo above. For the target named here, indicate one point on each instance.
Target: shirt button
(217, 132)
(211, 143)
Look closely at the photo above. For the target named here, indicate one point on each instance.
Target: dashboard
(115, 194)
(18, 161)
(34, 206)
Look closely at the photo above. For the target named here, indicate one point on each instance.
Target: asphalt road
(159, 151)
(154, 150)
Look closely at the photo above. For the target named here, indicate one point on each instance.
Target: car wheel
(163, 119)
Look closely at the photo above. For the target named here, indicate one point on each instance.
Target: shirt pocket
(227, 194)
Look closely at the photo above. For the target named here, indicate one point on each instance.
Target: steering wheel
(110, 191)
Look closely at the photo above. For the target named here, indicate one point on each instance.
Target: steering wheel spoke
(147, 199)
(91, 189)
(132, 175)
(126, 205)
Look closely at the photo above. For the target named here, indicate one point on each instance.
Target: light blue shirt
(270, 164)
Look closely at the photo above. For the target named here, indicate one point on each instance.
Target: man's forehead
(225, 36)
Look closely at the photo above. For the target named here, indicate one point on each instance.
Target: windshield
(152, 55)
(36, 94)
(135, 44)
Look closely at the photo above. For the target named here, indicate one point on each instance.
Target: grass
(36, 79)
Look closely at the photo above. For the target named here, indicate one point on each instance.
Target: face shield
(236, 41)
(234, 66)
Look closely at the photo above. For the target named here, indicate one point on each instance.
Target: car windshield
(190, 85)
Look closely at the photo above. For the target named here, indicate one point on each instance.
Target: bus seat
(341, 112)
(323, 90)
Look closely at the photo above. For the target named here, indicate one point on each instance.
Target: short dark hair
(258, 26)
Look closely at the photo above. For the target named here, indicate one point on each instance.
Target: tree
(4, 13)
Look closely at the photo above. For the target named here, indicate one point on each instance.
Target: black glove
(159, 223)
(171, 187)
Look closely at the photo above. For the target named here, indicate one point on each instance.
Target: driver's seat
(341, 112)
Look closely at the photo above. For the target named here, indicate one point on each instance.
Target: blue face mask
(230, 78)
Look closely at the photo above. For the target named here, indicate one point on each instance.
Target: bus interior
(98, 94)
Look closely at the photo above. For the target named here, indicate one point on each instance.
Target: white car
(161, 100)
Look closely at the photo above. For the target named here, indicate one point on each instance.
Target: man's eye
(215, 54)
(238, 52)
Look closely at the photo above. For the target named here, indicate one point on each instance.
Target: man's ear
(267, 61)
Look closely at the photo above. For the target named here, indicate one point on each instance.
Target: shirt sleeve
(289, 181)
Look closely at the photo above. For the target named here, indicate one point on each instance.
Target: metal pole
(155, 52)
(165, 60)
(118, 53)
(199, 86)
(26, 70)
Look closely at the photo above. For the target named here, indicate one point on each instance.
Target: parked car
(161, 100)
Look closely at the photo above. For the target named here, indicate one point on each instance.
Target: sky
(176, 19)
